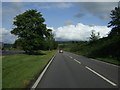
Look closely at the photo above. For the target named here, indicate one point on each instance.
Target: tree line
(108, 47)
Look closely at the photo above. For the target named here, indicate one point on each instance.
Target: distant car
(60, 51)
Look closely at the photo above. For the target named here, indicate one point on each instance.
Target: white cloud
(6, 36)
(61, 5)
(79, 32)
(64, 5)
(69, 32)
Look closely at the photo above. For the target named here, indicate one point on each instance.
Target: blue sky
(56, 14)
(61, 14)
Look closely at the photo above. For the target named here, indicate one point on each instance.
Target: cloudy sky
(69, 20)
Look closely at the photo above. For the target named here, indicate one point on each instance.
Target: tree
(51, 44)
(94, 37)
(30, 30)
(17, 44)
(114, 35)
(115, 22)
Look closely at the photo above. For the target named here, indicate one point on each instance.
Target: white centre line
(77, 61)
(70, 57)
(101, 76)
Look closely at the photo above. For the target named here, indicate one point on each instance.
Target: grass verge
(105, 59)
(109, 60)
(20, 69)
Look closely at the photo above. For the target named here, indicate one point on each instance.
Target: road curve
(74, 71)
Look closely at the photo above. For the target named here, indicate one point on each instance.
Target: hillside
(104, 48)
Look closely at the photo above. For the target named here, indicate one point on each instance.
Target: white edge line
(101, 76)
(41, 75)
(104, 62)
(77, 61)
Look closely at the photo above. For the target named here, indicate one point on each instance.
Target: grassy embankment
(20, 69)
(105, 49)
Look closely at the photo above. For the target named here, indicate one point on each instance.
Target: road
(74, 71)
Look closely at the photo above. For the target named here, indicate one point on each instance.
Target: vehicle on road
(60, 51)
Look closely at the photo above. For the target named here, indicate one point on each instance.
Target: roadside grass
(105, 49)
(109, 60)
(18, 70)
(105, 59)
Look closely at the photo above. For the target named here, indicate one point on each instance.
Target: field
(20, 69)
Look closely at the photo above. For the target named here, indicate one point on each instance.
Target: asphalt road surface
(74, 71)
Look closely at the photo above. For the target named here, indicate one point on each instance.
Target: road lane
(67, 72)
(108, 70)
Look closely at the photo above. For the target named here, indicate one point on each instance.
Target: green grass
(19, 69)
(109, 60)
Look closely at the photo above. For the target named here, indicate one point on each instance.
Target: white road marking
(101, 76)
(41, 75)
(77, 61)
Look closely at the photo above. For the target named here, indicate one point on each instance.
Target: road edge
(42, 73)
(104, 62)
(112, 64)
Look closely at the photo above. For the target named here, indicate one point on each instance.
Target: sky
(68, 20)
